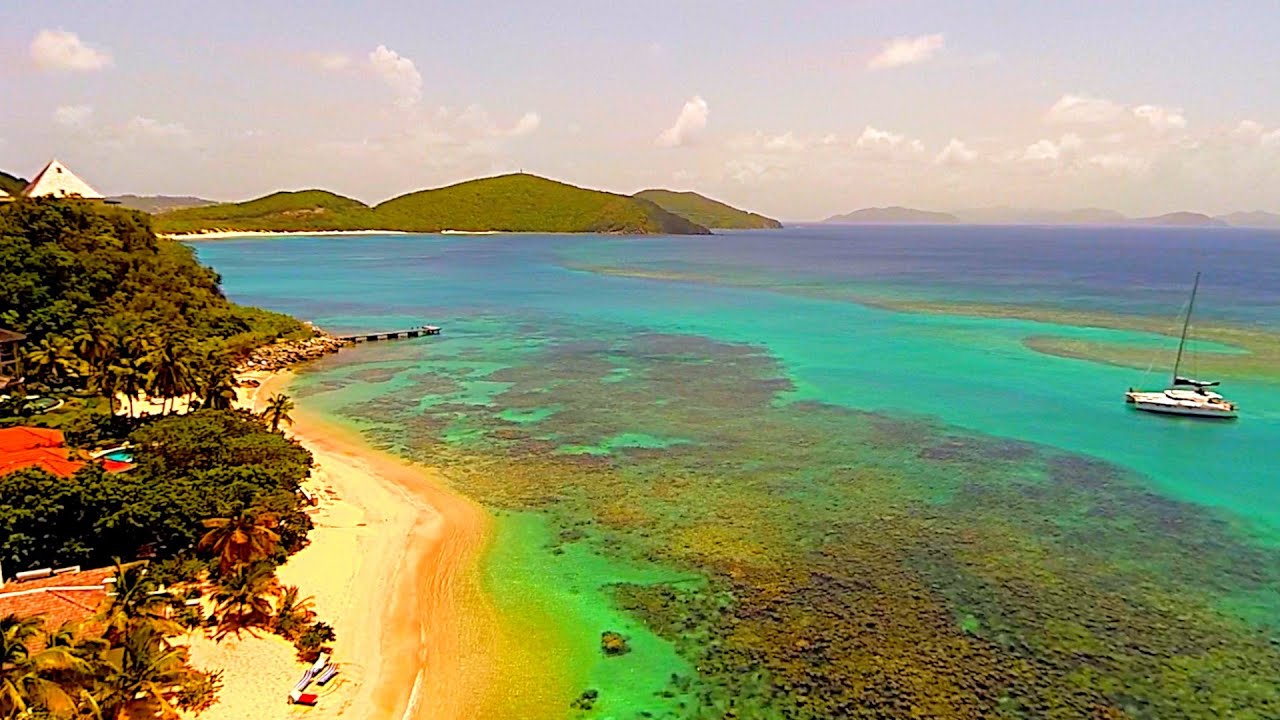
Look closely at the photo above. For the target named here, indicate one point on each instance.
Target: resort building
(65, 595)
(32, 447)
(55, 180)
(10, 360)
(5, 197)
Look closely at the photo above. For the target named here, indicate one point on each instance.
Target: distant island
(707, 212)
(893, 216)
(1031, 216)
(505, 203)
(1181, 219)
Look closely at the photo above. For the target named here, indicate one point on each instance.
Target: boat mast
(1185, 325)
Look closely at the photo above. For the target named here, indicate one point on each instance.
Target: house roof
(28, 447)
(55, 180)
(17, 439)
(61, 598)
(10, 336)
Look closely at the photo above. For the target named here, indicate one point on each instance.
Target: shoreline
(229, 234)
(392, 565)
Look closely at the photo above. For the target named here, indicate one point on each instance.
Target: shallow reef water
(848, 564)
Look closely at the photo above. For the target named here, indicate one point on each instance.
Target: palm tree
(242, 599)
(140, 676)
(27, 679)
(52, 358)
(245, 537)
(137, 600)
(213, 380)
(293, 614)
(278, 408)
(129, 378)
(170, 373)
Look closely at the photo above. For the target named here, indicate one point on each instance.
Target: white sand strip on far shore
(226, 234)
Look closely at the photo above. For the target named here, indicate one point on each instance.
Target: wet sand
(391, 565)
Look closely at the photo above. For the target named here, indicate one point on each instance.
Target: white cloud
(906, 51)
(145, 127)
(526, 124)
(691, 122)
(62, 50)
(399, 73)
(1048, 150)
(874, 137)
(956, 153)
(331, 62)
(1083, 110)
(786, 142)
(1161, 118)
(885, 141)
(73, 116)
(1117, 162)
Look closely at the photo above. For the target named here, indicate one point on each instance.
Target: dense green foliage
(509, 203)
(109, 307)
(527, 203)
(189, 468)
(281, 211)
(11, 184)
(707, 212)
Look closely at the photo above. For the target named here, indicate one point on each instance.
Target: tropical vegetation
(109, 309)
(512, 203)
(707, 212)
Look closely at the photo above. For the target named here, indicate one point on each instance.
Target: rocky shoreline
(287, 353)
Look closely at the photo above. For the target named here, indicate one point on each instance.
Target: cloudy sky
(799, 109)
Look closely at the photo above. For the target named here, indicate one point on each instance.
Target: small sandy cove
(391, 565)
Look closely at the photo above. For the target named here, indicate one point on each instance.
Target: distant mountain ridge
(159, 203)
(893, 215)
(704, 211)
(12, 184)
(1080, 216)
(504, 203)
(1255, 219)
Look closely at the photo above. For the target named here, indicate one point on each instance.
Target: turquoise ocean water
(530, 319)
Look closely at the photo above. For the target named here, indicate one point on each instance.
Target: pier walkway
(391, 334)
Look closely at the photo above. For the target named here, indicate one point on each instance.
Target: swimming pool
(119, 456)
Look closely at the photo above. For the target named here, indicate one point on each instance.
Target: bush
(313, 639)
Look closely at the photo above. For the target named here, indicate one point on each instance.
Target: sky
(798, 109)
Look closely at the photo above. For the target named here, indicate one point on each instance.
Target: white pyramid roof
(55, 180)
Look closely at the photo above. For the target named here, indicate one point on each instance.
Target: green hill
(11, 184)
(527, 203)
(302, 210)
(707, 212)
(507, 203)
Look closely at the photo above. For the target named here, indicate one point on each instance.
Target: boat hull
(1184, 410)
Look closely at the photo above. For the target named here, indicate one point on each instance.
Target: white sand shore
(225, 234)
(389, 565)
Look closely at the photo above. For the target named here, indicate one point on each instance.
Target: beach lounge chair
(323, 678)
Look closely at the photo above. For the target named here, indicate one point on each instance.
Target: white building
(55, 180)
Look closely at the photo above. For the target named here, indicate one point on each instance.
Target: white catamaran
(1186, 396)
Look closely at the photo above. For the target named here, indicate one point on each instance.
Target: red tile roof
(16, 439)
(59, 599)
(27, 447)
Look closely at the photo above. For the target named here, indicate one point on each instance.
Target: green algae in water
(529, 570)
(814, 561)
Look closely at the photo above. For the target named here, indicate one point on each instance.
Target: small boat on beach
(1185, 396)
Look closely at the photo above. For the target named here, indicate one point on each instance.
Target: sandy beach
(225, 234)
(390, 565)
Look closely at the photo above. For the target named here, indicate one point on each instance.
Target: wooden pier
(391, 334)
